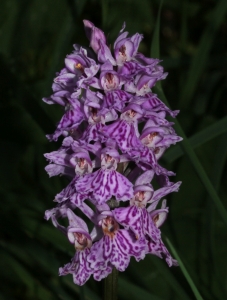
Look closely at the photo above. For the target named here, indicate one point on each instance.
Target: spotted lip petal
(138, 220)
(78, 267)
(67, 192)
(103, 184)
(124, 134)
(116, 99)
(116, 250)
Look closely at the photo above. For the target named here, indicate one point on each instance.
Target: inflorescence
(114, 132)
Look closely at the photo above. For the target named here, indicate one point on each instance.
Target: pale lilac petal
(54, 170)
(153, 103)
(162, 192)
(104, 54)
(94, 34)
(103, 273)
(71, 120)
(67, 192)
(75, 221)
(145, 178)
(159, 249)
(78, 267)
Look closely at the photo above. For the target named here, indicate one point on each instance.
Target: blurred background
(35, 37)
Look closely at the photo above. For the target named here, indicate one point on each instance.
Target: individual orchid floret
(116, 247)
(136, 217)
(60, 95)
(79, 63)
(78, 232)
(125, 131)
(106, 182)
(143, 83)
(66, 157)
(126, 48)
(59, 212)
(158, 248)
(78, 235)
(109, 79)
(158, 139)
(162, 192)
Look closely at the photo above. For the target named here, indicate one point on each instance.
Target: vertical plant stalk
(110, 286)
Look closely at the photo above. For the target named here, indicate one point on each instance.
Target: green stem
(110, 286)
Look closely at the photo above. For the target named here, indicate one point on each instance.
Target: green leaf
(128, 290)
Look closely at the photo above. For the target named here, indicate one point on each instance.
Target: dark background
(35, 37)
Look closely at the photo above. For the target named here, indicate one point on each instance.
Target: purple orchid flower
(116, 247)
(106, 182)
(114, 133)
(78, 235)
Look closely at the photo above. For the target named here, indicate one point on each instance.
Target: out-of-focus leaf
(186, 144)
(197, 165)
(128, 290)
(198, 139)
(155, 40)
(20, 126)
(122, 11)
(199, 60)
(89, 295)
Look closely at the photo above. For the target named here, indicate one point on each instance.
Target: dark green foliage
(35, 37)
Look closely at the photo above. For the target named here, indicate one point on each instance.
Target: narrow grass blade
(185, 272)
(155, 40)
